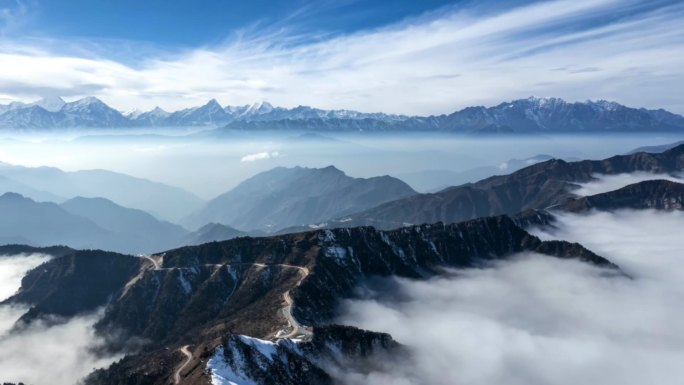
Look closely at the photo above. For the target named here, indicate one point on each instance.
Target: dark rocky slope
(56, 251)
(659, 194)
(197, 295)
(264, 362)
(652, 194)
(74, 283)
(284, 197)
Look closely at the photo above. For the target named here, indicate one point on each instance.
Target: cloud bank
(12, 270)
(540, 320)
(606, 183)
(43, 354)
(432, 64)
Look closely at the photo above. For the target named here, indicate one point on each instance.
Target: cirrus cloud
(446, 59)
(259, 156)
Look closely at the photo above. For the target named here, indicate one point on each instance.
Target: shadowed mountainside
(197, 295)
(535, 187)
(284, 197)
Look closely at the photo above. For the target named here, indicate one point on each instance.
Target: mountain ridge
(537, 186)
(531, 115)
(283, 197)
(123, 189)
(197, 296)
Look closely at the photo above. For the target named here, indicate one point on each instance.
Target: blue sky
(402, 56)
(191, 23)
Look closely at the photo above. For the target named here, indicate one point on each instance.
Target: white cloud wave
(12, 270)
(51, 355)
(43, 354)
(540, 320)
(605, 183)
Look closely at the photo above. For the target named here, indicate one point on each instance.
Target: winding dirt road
(154, 261)
(188, 358)
(297, 328)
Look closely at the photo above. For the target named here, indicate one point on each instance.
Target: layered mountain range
(95, 223)
(532, 115)
(261, 309)
(535, 187)
(269, 201)
(55, 185)
(285, 197)
(285, 200)
(657, 194)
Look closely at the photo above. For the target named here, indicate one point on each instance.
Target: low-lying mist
(58, 354)
(606, 183)
(45, 353)
(12, 270)
(539, 320)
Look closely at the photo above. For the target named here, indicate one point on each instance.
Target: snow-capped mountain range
(523, 115)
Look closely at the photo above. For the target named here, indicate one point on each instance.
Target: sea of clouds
(45, 353)
(535, 319)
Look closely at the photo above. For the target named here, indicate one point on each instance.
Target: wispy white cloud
(435, 63)
(259, 156)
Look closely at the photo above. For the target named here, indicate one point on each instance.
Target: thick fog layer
(12, 270)
(540, 320)
(44, 353)
(62, 354)
(605, 183)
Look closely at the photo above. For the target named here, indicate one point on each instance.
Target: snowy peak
(530, 115)
(87, 101)
(132, 113)
(259, 108)
(213, 104)
(50, 103)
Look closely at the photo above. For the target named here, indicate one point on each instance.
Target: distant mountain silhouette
(54, 185)
(288, 196)
(133, 229)
(532, 115)
(211, 232)
(84, 223)
(535, 187)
